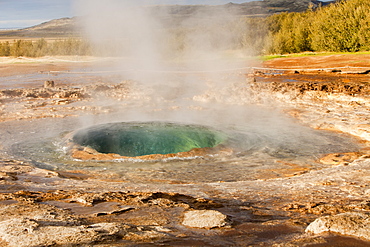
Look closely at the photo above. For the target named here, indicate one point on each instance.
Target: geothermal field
(211, 148)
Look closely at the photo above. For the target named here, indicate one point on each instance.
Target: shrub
(41, 48)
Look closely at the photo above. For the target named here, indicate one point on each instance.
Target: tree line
(340, 27)
(343, 26)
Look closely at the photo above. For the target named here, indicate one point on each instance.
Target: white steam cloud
(151, 35)
(176, 53)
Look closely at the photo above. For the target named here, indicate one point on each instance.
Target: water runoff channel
(251, 142)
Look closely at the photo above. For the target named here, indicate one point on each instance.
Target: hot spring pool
(147, 138)
(256, 143)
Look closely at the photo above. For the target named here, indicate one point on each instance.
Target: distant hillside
(255, 8)
(176, 13)
(70, 27)
(64, 27)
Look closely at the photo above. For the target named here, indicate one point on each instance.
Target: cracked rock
(352, 224)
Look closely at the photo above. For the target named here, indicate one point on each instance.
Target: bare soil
(320, 61)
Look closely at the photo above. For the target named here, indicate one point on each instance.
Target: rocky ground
(325, 207)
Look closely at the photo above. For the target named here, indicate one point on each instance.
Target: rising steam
(176, 53)
(149, 37)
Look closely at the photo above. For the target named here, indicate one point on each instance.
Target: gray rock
(22, 232)
(204, 219)
(352, 224)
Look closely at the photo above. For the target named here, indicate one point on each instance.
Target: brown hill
(64, 27)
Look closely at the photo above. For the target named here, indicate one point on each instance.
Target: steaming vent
(148, 141)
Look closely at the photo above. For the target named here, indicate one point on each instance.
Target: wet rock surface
(33, 103)
(322, 207)
(35, 218)
(323, 104)
(276, 211)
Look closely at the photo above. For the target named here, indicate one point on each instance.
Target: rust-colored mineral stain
(85, 153)
(340, 158)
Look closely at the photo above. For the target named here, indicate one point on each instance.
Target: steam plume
(177, 56)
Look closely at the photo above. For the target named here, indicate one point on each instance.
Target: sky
(26, 13)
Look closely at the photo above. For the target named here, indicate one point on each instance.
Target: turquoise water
(137, 139)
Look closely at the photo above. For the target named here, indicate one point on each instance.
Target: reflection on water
(81, 76)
